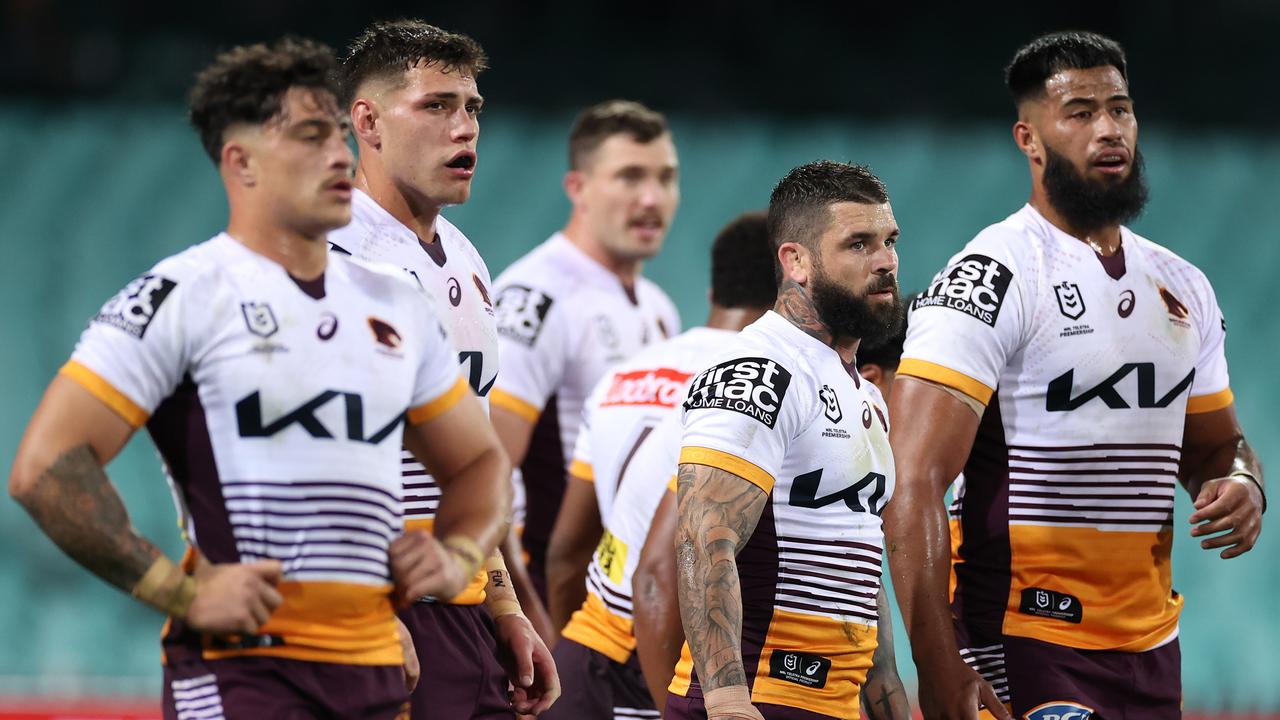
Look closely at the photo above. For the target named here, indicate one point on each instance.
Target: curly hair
(388, 48)
(247, 85)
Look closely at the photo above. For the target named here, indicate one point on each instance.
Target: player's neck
(732, 318)
(626, 270)
(797, 307)
(1105, 241)
(302, 255)
(415, 213)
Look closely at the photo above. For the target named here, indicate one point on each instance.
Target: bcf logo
(1059, 710)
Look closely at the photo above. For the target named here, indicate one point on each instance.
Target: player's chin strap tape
(732, 703)
(166, 587)
(1246, 475)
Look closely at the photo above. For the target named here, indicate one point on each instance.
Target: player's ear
(872, 373)
(794, 259)
(573, 182)
(364, 123)
(1028, 141)
(237, 163)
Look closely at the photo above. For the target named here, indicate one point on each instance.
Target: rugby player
(411, 92)
(784, 468)
(278, 383)
(624, 458)
(1075, 372)
(577, 303)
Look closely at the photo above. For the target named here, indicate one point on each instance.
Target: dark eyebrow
(317, 123)
(447, 95)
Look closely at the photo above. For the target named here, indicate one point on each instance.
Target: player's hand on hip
(957, 692)
(412, 670)
(534, 679)
(1232, 506)
(422, 566)
(234, 598)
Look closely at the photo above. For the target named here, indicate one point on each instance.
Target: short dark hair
(388, 48)
(247, 85)
(1050, 54)
(612, 117)
(799, 208)
(888, 352)
(742, 264)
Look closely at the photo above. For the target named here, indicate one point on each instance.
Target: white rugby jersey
(563, 321)
(781, 410)
(456, 278)
(1088, 366)
(277, 407)
(628, 446)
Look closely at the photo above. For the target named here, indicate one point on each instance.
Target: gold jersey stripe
(1209, 403)
(721, 460)
(106, 392)
(946, 376)
(435, 408)
(511, 403)
(582, 471)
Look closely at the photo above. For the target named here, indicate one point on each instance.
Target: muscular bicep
(932, 433)
(68, 417)
(514, 431)
(716, 507)
(453, 440)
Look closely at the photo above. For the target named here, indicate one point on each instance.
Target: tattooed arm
(718, 512)
(883, 697)
(58, 477)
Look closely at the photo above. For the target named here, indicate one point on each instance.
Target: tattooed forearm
(883, 697)
(718, 512)
(795, 305)
(79, 509)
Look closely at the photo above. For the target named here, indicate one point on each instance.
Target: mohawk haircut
(800, 206)
(612, 117)
(1050, 54)
(742, 264)
(247, 85)
(389, 48)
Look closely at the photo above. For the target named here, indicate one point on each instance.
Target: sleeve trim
(720, 460)
(671, 484)
(511, 403)
(1209, 403)
(956, 380)
(582, 471)
(106, 392)
(439, 406)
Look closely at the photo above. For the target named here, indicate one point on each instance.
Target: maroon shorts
(251, 688)
(597, 688)
(1042, 680)
(692, 708)
(461, 676)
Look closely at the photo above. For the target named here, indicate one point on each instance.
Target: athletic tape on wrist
(166, 587)
(733, 701)
(467, 551)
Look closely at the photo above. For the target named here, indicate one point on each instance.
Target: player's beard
(1089, 205)
(849, 314)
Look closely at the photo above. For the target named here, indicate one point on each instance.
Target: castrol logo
(661, 387)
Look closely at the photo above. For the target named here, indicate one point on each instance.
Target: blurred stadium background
(105, 178)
